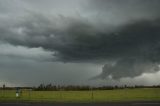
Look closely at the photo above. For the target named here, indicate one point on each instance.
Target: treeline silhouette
(52, 87)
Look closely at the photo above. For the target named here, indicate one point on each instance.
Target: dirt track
(84, 104)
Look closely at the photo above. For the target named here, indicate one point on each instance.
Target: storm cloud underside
(121, 35)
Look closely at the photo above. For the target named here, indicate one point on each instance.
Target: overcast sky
(80, 42)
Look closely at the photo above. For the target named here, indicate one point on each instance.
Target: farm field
(117, 95)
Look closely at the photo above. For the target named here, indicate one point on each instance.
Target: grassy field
(141, 94)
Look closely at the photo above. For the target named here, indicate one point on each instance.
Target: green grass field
(119, 95)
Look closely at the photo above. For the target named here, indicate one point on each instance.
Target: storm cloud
(121, 35)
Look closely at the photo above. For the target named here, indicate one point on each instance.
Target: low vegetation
(114, 95)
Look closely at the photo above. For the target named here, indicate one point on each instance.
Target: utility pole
(30, 93)
(92, 93)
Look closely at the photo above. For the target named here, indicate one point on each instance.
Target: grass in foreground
(120, 95)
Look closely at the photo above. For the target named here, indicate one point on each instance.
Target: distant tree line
(58, 87)
(52, 87)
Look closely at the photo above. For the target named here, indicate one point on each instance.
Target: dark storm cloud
(128, 67)
(80, 40)
(126, 9)
(128, 38)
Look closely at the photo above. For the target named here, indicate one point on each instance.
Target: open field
(118, 95)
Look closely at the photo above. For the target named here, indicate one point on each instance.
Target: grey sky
(94, 42)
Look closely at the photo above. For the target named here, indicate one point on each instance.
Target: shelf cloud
(123, 36)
